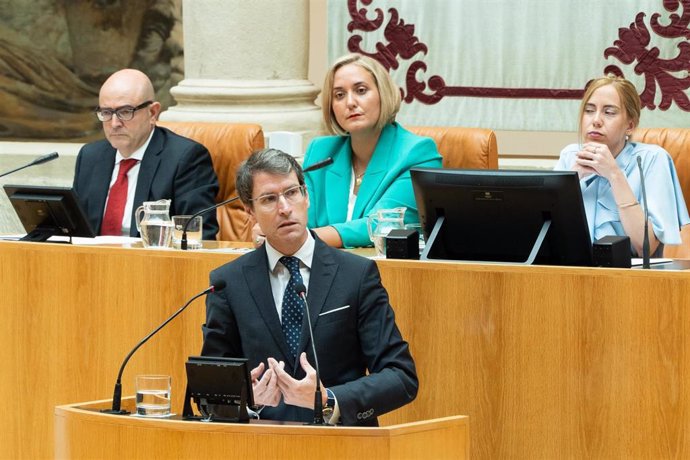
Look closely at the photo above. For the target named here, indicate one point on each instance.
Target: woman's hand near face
(596, 158)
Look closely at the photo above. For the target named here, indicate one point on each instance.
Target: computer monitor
(528, 217)
(47, 211)
(221, 389)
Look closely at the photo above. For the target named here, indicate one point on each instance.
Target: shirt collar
(138, 153)
(625, 158)
(305, 253)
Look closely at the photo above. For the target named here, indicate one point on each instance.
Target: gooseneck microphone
(40, 160)
(318, 402)
(645, 239)
(183, 239)
(318, 165)
(218, 285)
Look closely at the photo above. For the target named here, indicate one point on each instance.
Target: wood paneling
(547, 362)
(550, 362)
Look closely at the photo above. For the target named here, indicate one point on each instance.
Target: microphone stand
(318, 401)
(645, 238)
(117, 392)
(183, 240)
(37, 161)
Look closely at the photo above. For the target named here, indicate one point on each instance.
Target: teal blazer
(386, 183)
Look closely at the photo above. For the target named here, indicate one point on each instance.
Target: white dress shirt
(132, 176)
(279, 274)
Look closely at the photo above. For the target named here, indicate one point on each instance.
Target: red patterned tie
(112, 220)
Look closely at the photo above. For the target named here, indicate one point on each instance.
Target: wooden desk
(546, 361)
(84, 433)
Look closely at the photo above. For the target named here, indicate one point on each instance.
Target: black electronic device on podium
(221, 389)
(47, 211)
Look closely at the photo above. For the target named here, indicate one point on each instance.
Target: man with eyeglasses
(365, 365)
(139, 161)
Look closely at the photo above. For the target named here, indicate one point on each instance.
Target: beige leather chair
(229, 145)
(676, 141)
(467, 148)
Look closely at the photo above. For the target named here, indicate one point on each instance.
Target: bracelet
(628, 205)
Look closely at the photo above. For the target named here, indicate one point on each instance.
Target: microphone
(218, 285)
(37, 161)
(645, 239)
(318, 165)
(183, 240)
(318, 402)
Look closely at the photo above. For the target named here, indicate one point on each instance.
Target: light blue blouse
(667, 209)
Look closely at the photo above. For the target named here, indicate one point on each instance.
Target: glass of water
(153, 395)
(194, 231)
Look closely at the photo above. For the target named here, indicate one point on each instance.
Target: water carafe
(382, 221)
(154, 223)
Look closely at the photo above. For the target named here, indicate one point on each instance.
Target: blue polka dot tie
(293, 307)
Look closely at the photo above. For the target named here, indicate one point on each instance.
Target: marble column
(247, 62)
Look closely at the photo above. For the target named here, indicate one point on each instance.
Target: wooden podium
(83, 432)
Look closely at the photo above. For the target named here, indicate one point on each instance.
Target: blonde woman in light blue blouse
(606, 161)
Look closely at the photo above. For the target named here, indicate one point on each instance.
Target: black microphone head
(318, 165)
(300, 289)
(45, 158)
(218, 285)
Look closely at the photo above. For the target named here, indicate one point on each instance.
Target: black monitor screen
(221, 388)
(502, 216)
(46, 211)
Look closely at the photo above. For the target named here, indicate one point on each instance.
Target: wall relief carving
(55, 54)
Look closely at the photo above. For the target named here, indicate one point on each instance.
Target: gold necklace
(358, 178)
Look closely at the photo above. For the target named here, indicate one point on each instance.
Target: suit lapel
(101, 185)
(257, 278)
(147, 171)
(378, 165)
(321, 277)
(338, 181)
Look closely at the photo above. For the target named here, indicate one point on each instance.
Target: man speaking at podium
(365, 365)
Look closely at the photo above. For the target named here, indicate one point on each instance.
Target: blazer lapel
(338, 180)
(257, 278)
(378, 165)
(321, 278)
(101, 185)
(147, 171)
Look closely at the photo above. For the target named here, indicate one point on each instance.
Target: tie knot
(126, 165)
(291, 263)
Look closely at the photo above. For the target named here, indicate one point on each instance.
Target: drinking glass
(153, 395)
(194, 231)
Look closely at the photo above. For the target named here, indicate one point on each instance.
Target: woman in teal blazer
(372, 154)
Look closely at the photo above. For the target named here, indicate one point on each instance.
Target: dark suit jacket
(242, 321)
(173, 167)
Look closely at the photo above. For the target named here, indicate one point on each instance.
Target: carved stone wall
(55, 54)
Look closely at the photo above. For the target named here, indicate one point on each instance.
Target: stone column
(246, 61)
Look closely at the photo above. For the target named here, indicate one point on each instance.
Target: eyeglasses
(124, 113)
(292, 195)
